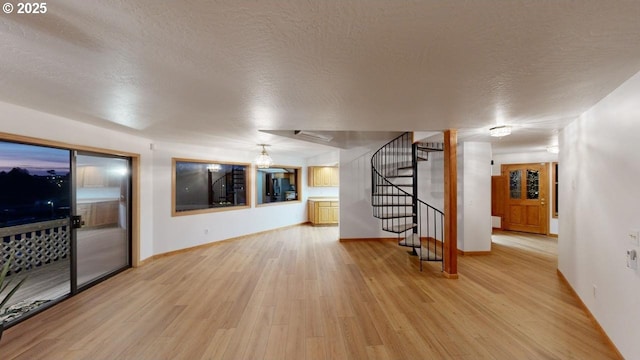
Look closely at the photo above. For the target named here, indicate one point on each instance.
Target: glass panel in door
(515, 184)
(533, 184)
(102, 202)
(35, 199)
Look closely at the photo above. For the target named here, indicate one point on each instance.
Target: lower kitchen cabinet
(324, 211)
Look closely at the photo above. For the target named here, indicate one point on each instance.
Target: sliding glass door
(102, 188)
(35, 208)
(64, 222)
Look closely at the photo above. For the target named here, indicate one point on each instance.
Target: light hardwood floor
(298, 293)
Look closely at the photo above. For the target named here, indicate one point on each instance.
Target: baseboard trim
(590, 315)
(367, 239)
(450, 276)
(210, 244)
(473, 253)
(553, 235)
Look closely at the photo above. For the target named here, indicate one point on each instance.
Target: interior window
(208, 186)
(555, 188)
(277, 185)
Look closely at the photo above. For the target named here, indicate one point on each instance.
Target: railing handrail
(375, 154)
(429, 206)
(425, 220)
(37, 226)
(387, 182)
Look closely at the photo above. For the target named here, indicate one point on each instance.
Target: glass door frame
(133, 207)
(75, 288)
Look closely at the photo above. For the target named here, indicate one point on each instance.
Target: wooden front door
(526, 206)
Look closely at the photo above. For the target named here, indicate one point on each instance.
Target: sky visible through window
(38, 160)
(34, 183)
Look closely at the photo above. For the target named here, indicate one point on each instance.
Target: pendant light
(264, 161)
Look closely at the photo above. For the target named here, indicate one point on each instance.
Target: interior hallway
(298, 293)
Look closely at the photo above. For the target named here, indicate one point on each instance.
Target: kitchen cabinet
(324, 211)
(84, 210)
(97, 177)
(91, 177)
(106, 213)
(324, 176)
(99, 213)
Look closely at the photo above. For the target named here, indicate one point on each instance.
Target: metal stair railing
(394, 197)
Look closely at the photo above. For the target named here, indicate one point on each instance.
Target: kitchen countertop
(323, 198)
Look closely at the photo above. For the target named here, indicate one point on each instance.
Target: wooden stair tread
(429, 255)
(413, 240)
(396, 215)
(399, 228)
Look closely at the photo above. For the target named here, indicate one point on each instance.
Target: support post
(451, 204)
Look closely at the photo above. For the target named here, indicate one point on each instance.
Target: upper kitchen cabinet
(97, 177)
(324, 176)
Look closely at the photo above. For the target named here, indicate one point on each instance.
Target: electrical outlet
(206, 231)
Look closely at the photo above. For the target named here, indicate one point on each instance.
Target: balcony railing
(35, 244)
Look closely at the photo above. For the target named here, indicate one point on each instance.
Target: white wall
(26, 122)
(527, 158)
(159, 231)
(431, 180)
(356, 213)
(174, 233)
(474, 192)
(474, 196)
(599, 204)
(431, 191)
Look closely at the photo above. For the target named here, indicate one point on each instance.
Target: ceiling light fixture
(554, 149)
(214, 167)
(264, 161)
(500, 131)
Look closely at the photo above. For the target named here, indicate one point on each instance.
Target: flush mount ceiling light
(500, 131)
(554, 149)
(264, 161)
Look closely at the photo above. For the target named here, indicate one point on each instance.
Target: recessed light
(554, 149)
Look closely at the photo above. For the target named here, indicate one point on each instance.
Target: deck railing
(35, 244)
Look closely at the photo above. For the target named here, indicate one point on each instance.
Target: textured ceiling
(213, 73)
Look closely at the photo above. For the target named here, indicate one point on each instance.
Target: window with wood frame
(554, 188)
(206, 186)
(278, 184)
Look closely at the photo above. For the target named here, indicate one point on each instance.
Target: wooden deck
(101, 250)
(298, 293)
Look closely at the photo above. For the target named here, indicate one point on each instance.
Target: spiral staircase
(394, 197)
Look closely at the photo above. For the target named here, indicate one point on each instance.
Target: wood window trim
(298, 187)
(175, 213)
(554, 189)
